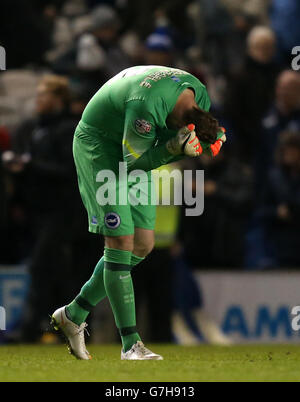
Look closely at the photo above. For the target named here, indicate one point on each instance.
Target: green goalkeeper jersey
(131, 110)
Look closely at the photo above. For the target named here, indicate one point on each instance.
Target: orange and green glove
(214, 149)
(186, 142)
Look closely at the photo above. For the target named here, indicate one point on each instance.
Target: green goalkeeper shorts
(97, 156)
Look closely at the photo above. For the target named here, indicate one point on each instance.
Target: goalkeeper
(146, 116)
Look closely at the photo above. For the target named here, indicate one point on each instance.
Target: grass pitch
(198, 363)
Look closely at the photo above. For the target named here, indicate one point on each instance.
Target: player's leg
(93, 291)
(113, 222)
(91, 155)
(87, 168)
(143, 242)
(144, 221)
(121, 254)
(115, 280)
(144, 217)
(119, 286)
(119, 289)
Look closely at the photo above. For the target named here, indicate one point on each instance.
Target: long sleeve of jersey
(140, 149)
(145, 133)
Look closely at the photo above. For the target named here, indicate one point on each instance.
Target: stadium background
(237, 266)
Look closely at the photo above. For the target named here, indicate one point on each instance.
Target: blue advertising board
(14, 284)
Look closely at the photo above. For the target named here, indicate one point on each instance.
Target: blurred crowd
(59, 52)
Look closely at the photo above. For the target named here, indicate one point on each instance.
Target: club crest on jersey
(142, 126)
(112, 220)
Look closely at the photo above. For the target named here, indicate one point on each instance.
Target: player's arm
(139, 150)
(139, 139)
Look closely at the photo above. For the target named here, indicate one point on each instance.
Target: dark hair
(207, 127)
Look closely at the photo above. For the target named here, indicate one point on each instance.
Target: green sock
(90, 295)
(135, 260)
(119, 289)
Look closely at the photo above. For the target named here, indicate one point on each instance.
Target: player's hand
(186, 142)
(216, 147)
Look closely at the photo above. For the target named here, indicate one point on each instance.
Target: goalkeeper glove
(215, 148)
(186, 142)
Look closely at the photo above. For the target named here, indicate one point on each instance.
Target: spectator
(226, 26)
(217, 32)
(96, 56)
(284, 115)
(159, 49)
(97, 50)
(245, 15)
(42, 164)
(281, 204)
(251, 90)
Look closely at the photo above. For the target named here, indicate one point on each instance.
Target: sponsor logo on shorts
(142, 126)
(112, 220)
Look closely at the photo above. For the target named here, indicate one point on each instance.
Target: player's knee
(120, 242)
(143, 248)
